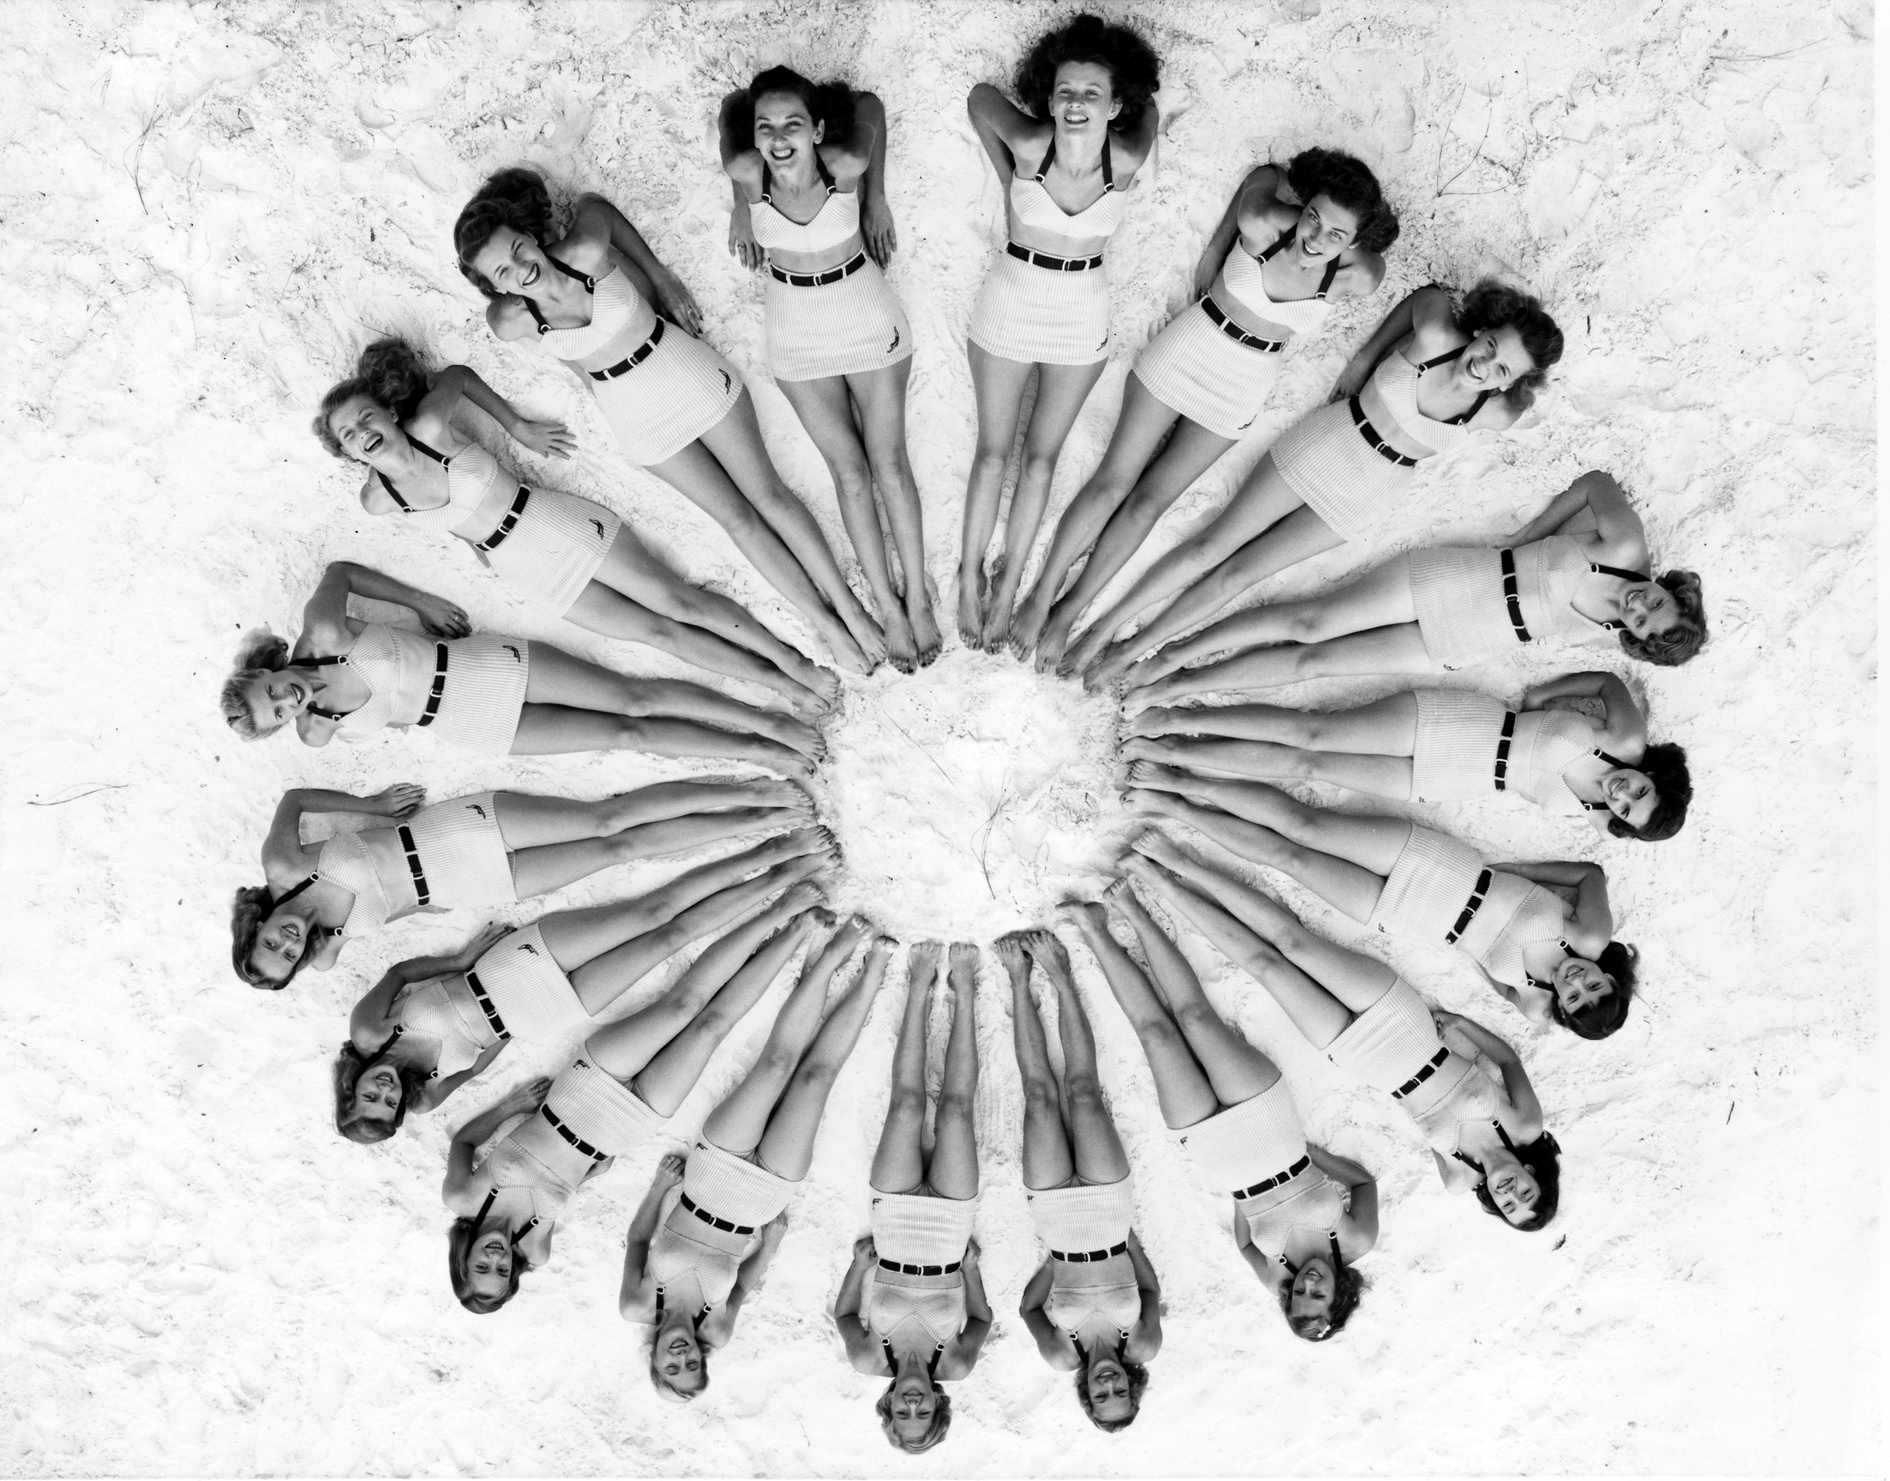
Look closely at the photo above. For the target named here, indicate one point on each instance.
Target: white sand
(210, 208)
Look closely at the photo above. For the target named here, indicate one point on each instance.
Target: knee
(1159, 1032)
(954, 1105)
(1040, 1095)
(852, 479)
(906, 1101)
(628, 733)
(1084, 1087)
(1303, 627)
(816, 1074)
(988, 462)
(1039, 466)
(1199, 1012)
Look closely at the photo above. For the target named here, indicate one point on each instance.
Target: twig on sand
(137, 160)
(984, 847)
(915, 744)
(89, 790)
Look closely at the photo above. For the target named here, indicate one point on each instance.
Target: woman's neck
(1079, 153)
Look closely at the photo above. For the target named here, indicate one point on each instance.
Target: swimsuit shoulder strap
(1601, 755)
(826, 175)
(1618, 573)
(1443, 359)
(444, 462)
(1332, 271)
(1109, 174)
(387, 483)
(1267, 254)
(296, 890)
(590, 283)
(767, 185)
(485, 1208)
(1475, 407)
(1048, 155)
(931, 1363)
(1505, 1136)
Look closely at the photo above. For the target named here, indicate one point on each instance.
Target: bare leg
(737, 1122)
(1234, 1068)
(880, 396)
(1098, 1149)
(1259, 503)
(709, 998)
(1391, 722)
(788, 1144)
(600, 982)
(952, 1169)
(1061, 392)
(575, 937)
(825, 412)
(551, 866)
(1382, 650)
(559, 680)
(737, 445)
(673, 1069)
(1048, 1159)
(700, 478)
(526, 819)
(1181, 1086)
(899, 1160)
(999, 385)
(1385, 727)
(1298, 537)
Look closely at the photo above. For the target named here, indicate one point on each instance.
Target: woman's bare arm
(1053, 1343)
(327, 609)
(635, 1301)
(1521, 1096)
(862, 1351)
(1251, 200)
(876, 218)
(961, 1353)
(1364, 1188)
(593, 212)
(459, 1192)
(1426, 309)
(1003, 128)
(459, 383)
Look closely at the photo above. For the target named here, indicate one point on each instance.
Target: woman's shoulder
(1360, 275)
(744, 167)
(508, 318)
(845, 162)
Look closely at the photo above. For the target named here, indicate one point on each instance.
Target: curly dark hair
(1494, 305)
(1543, 1158)
(1347, 1286)
(935, 1432)
(830, 103)
(1603, 1016)
(459, 1242)
(1348, 183)
(517, 198)
(1136, 1373)
(389, 372)
(350, 1065)
(1134, 70)
(1665, 765)
(1674, 647)
(252, 905)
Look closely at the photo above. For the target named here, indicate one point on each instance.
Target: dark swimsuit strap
(284, 900)
(323, 660)
(1618, 573)
(695, 1322)
(1601, 755)
(1332, 1243)
(1332, 268)
(767, 182)
(1109, 174)
(485, 1208)
(931, 1363)
(590, 286)
(1471, 1162)
(388, 483)
(1475, 406)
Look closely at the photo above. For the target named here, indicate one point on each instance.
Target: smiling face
(1108, 1385)
(276, 698)
(1083, 97)
(914, 1401)
(489, 1263)
(677, 1362)
(1513, 1188)
(376, 1095)
(1325, 229)
(365, 428)
(281, 941)
(1495, 360)
(1648, 608)
(1579, 984)
(784, 129)
(511, 262)
(1313, 1290)
(1630, 795)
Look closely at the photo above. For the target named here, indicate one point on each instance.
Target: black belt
(571, 1136)
(710, 1219)
(1470, 909)
(1273, 1182)
(1502, 749)
(405, 835)
(1055, 264)
(1377, 444)
(491, 542)
(1234, 332)
(819, 280)
(438, 691)
(1091, 1257)
(624, 367)
(951, 1269)
(1436, 1063)
(1512, 596)
(485, 1005)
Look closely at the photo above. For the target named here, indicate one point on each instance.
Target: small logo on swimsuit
(477, 808)
(1245, 425)
(727, 384)
(895, 342)
(1184, 1141)
(1103, 343)
(526, 946)
(517, 657)
(598, 525)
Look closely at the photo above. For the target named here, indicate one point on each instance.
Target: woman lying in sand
(1464, 1087)
(1094, 1305)
(709, 1226)
(912, 1307)
(495, 695)
(619, 1094)
(433, 1023)
(1451, 606)
(403, 423)
(1429, 376)
(491, 848)
(1295, 241)
(675, 406)
(1303, 1217)
(808, 161)
(1542, 934)
(1449, 745)
(1067, 159)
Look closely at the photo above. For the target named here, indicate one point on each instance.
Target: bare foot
(1152, 720)
(1085, 915)
(1027, 623)
(925, 633)
(820, 918)
(1010, 954)
(1049, 953)
(901, 647)
(881, 946)
(970, 604)
(803, 896)
(773, 792)
(963, 958)
(923, 960)
(1107, 667)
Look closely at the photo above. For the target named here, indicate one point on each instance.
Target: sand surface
(209, 208)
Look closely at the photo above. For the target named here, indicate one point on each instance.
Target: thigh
(1262, 501)
(827, 415)
(700, 476)
(530, 821)
(1386, 727)
(880, 396)
(574, 937)
(1190, 453)
(736, 444)
(1140, 426)
(1061, 392)
(899, 1160)
(998, 384)
(633, 569)
(560, 678)
(1371, 842)
(1379, 598)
